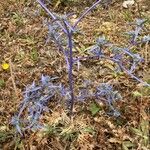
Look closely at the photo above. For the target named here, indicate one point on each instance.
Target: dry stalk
(13, 78)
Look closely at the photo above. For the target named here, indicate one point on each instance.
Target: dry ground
(22, 45)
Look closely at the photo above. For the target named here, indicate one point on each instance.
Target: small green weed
(17, 19)
(142, 133)
(94, 109)
(34, 54)
(2, 83)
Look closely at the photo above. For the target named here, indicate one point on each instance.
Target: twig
(13, 78)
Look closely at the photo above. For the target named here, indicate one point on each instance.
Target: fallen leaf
(128, 3)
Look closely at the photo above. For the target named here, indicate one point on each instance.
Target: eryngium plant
(61, 31)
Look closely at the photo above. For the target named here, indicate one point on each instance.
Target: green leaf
(34, 55)
(89, 130)
(2, 83)
(128, 144)
(124, 147)
(145, 91)
(94, 108)
(4, 136)
(137, 94)
(144, 125)
(148, 81)
(137, 132)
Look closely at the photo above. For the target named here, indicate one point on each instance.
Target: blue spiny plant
(61, 31)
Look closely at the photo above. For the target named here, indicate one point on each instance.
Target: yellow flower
(5, 66)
